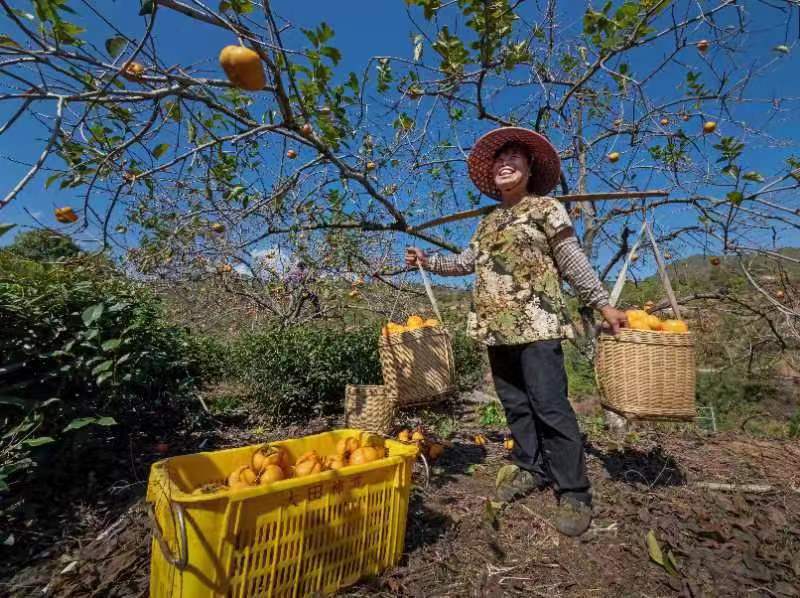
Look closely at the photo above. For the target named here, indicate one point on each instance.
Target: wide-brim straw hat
(545, 167)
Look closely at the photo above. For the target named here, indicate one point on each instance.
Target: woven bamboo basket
(368, 407)
(418, 366)
(647, 375)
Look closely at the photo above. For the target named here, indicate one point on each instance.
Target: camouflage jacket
(518, 255)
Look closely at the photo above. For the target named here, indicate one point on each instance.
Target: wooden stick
(662, 272)
(611, 195)
(751, 488)
(574, 197)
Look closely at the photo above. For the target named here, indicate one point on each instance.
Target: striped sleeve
(453, 265)
(576, 269)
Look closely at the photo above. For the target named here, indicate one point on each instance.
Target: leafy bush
(580, 372)
(794, 425)
(81, 343)
(301, 371)
(43, 245)
(492, 415)
(470, 360)
(209, 357)
(734, 394)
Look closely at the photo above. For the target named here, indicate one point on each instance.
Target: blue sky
(367, 29)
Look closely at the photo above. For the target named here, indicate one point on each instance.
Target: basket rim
(649, 337)
(400, 338)
(159, 471)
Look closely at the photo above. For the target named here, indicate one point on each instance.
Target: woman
(519, 254)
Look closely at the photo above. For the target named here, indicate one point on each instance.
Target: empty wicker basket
(368, 407)
(647, 375)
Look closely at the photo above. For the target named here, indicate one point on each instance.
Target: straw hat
(545, 168)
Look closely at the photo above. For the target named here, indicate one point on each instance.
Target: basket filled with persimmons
(417, 361)
(647, 371)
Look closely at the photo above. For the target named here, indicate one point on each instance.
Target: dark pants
(531, 382)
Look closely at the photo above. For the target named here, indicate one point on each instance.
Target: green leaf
(78, 423)
(159, 150)
(16, 401)
(173, 111)
(505, 474)
(102, 367)
(23, 14)
(92, 314)
(324, 32)
(115, 45)
(106, 421)
(39, 441)
(657, 555)
(332, 53)
(103, 377)
(491, 511)
(235, 192)
(732, 171)
(111, 344)
(735, 197)
(5, 227)
(147, 8)
(654, 549)
(51, 179)
(7, 41)
(753, 176)
(673, 564)
(68, 32)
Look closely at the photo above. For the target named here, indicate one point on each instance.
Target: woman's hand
(615, 318)
(415, 255)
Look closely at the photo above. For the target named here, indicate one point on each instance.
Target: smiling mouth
(506, 171)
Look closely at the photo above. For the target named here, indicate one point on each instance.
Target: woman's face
(511, 170)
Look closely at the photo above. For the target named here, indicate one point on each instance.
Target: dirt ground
(91, 538)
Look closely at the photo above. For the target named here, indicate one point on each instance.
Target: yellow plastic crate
(297, 537)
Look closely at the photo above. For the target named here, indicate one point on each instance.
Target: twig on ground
(750, 488)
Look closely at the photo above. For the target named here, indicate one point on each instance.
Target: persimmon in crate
(227, 523)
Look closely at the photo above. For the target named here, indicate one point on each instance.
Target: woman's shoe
(573, 517)
(514, 482)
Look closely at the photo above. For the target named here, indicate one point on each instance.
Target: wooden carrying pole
(611, 195)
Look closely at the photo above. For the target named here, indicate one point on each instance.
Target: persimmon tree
(188, 175)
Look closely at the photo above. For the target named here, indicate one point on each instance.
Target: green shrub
(733, 394)
(470, 360)
(43, 245)
(794, 425)
(492, 415)
(301, 371)
(81, 342)
(209, 357)
(580, 372)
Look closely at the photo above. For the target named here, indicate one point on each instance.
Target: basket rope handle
(660, 264)
(429, 290)
(662, 272)
(623, 272)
